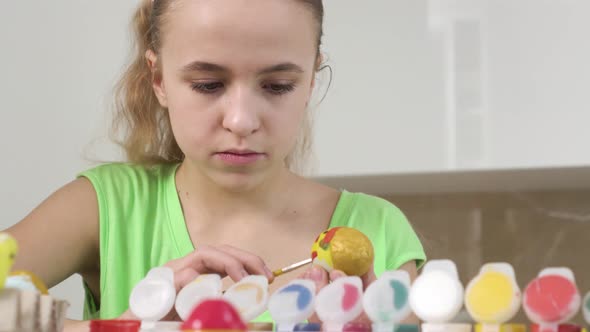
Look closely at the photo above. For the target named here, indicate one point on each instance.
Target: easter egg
(343, 248)
(8, 251)
(26, 280)
(214, 315)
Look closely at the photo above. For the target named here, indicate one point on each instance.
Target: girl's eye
(279, 89)
(207, 87)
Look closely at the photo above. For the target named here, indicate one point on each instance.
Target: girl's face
(236, 77)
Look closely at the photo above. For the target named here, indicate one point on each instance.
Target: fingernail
(316, 274)
(337, 274)
(268, 272)
(306, 275)
(244, 273)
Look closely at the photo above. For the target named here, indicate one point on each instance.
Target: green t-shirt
(142, 226)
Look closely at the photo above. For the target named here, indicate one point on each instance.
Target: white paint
(437, 294)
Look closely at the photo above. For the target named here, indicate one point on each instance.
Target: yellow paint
(32, 278)
(324, 257)
(8, 251)
(490, 297)
(500, 328)
(250, 286)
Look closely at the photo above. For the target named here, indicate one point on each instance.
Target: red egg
(214, 315)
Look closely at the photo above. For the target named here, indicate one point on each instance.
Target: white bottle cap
(386, 301)
(539, 292)
(493, 296)
(153, 297)
(293, 303)
(204, 286)
(340, 302)
(249, 296)
(437, 294)
(565, 272)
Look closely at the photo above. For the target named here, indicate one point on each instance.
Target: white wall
(58, 60)
(455, 84)
(413, 90)
(539, 82)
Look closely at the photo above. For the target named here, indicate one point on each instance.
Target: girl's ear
(157, 82)
(318, 64)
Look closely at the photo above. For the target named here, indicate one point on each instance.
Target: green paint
(400, 292)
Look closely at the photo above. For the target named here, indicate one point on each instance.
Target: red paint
(115, 326)
(562, 328)
(216, 314)
(314, 254)
(356, 327)
(329, 236)
(550, 297)
(351, 297)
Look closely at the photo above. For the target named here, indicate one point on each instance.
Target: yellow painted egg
(26, 280)
(8, 251)
(343, 248)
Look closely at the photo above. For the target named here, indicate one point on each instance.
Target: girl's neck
(215, 203)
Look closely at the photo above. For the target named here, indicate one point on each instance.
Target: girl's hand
(222, 260)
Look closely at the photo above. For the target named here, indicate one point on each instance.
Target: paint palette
(492, 298)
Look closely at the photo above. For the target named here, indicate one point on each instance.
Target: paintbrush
(292, 267)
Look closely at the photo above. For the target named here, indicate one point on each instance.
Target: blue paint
(308, 327)
(303, 297)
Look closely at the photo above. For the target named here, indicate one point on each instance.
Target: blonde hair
(141, 126)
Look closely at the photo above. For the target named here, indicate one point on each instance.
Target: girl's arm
(60, 236)
(76, 326)
(413, 271)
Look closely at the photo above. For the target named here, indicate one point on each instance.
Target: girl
(214, 112)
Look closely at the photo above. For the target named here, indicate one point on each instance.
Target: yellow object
(500, 328)
(29, 277)
(493, 297)
(8, 251)
(345, 249)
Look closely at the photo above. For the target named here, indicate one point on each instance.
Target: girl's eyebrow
(215, 68)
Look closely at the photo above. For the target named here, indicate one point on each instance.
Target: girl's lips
(239, 158)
